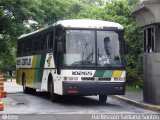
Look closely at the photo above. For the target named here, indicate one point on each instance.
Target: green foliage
(120, 11)
(132, 89)
(12, 16)
(54, 10)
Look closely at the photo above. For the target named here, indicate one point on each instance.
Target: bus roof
(80, 23)
(86, 23)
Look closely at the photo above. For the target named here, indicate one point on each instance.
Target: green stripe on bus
(99, 73)
(36, 77)
(39, 72)
(108, 73)
(42, 62)
(34, 63)
(38, 61)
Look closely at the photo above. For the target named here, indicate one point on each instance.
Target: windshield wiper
(90, 56)
(77, 63)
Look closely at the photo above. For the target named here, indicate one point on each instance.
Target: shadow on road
(74, 100)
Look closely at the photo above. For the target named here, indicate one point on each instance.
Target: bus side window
(42, 43)
(39, 43)
(30, 44)
(18, 48)
(50, 40)
(22, 46)
(35, 45)
(27, 45)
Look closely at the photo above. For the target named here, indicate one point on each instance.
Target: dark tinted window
(50, 40)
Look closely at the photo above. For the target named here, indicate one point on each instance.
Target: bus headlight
(119, 79)
(75, 78)
(71, 78)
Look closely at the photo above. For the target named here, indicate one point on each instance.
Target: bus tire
(103, 98)
(54, 97)
(27, 90)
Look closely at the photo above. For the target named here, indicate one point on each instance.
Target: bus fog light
(70, 78)
(121, 79)
(65, 78)
(118, 88)
(75, 78)
(116, 79)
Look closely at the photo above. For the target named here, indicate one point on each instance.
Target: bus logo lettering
(18, 62)
(26, 61)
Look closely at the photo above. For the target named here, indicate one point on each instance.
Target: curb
(139, 104)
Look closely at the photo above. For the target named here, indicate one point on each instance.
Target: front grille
(104, 79)
(93, 79)
(88, 78)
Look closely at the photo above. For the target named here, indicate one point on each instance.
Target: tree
(13, 15)
(132, 3)
(120, 11)
(16, 14)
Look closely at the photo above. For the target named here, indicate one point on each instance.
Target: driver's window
(108, 48)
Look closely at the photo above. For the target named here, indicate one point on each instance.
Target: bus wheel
(102, 98)
(27, 90)
(54, 97)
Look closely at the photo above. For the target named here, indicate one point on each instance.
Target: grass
(129, 88)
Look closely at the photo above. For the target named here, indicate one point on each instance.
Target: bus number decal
(82, 73)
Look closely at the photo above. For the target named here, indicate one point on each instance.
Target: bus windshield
(92, 48)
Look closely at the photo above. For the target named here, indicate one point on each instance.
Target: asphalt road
(19, 103)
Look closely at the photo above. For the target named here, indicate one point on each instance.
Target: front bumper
(93, 88)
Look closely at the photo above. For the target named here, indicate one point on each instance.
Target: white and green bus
(73, 57)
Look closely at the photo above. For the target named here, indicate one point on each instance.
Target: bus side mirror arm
(58, 71)
(59, 46)
(58, 63)
(59, 51)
